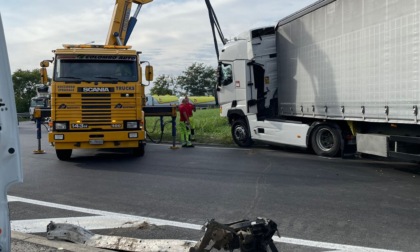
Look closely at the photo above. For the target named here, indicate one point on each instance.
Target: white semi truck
(333, 76)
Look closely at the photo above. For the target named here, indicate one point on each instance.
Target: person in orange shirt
(191, 108)
(184, 126)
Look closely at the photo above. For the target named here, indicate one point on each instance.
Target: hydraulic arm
(121, 24)
(215, 25)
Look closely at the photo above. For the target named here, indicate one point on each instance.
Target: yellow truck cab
(96, 99)
(97, 94)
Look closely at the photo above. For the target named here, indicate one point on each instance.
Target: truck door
(233, 82)
(10, 168)
(226, 89)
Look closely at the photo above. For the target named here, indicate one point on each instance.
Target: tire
(326, 141)
(139, 151)
(63, 155)
(240, 133)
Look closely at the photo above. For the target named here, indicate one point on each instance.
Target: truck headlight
(131, 125)
(58, 137)
(132, 135)
(60, 125)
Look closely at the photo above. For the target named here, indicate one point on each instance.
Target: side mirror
(45, 63)
(149, 73)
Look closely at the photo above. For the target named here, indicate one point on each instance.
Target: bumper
(96, 140)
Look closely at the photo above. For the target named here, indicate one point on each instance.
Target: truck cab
(247, 73)
(97, 96)
(97, 99)
(247, 91)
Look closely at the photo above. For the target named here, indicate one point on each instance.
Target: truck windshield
(37, 102)
(96, 68)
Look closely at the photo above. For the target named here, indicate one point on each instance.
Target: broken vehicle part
(76, 234)
(245, 235)
(248, 236)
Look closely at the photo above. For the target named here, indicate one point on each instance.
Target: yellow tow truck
(97, 96)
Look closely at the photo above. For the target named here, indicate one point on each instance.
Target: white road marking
(327, 245)
(11, 199)
(107, 220)
(154, 221)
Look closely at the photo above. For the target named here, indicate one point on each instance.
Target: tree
(164, 85)
(24, 82)
(198, 79)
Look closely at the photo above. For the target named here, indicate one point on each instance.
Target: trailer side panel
(351, 60)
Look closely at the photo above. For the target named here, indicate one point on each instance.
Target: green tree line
(196, 80)
(24, 82)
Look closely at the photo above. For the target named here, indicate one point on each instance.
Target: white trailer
(335, 75)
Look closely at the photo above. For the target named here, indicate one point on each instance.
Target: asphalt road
(319, 204)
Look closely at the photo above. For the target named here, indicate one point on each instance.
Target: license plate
(96, 141)
(79, 126)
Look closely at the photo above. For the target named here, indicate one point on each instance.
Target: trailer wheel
(63, 155)
(326, 141)
(138, 152)
(240, 133)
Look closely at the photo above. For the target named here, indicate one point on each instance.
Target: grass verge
(210, 128)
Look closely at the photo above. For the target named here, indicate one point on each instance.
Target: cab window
(225, 74)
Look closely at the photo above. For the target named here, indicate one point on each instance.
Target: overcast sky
(172, 34)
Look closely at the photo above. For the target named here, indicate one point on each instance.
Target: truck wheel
(240, 133)
(63, 155)
(326, 141)
(138, 152)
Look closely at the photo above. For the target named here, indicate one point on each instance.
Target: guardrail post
(173, 132)
(174, 128)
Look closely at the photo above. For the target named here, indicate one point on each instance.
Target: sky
(171, 34)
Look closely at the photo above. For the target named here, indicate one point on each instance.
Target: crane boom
(121, 24)
(215, 25)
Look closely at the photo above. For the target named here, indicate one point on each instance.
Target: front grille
(96, 108)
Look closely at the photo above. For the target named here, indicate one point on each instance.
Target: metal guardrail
(23, 115)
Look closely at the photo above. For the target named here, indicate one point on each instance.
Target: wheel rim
(325, 139)
(240, 133)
